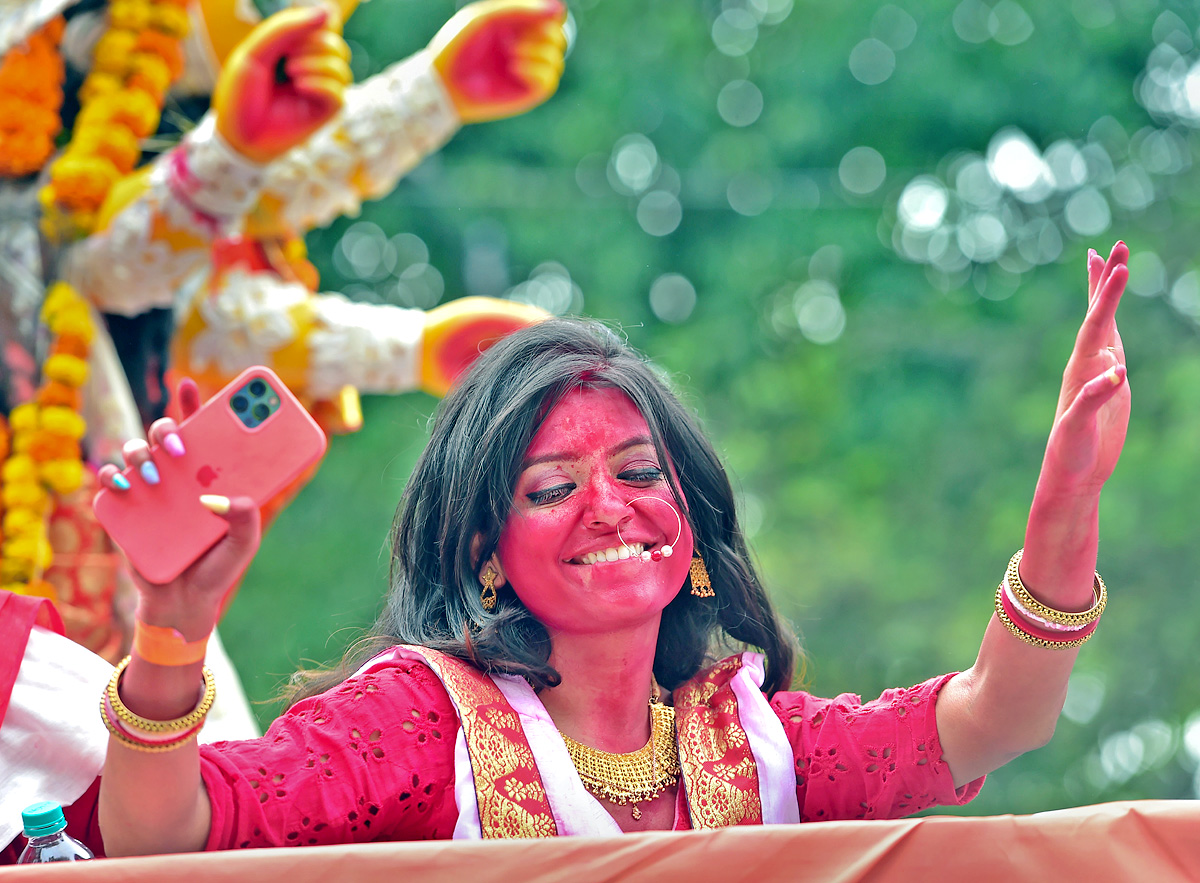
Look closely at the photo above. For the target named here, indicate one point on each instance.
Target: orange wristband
(163, 645)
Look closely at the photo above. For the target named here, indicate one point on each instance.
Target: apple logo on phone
(206, 475)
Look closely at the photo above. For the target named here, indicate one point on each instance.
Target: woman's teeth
(620, 553)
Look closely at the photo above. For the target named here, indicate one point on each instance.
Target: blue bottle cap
(42, 818)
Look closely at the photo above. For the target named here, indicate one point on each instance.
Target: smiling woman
(567, 571)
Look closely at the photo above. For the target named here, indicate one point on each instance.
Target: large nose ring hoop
(668, 549)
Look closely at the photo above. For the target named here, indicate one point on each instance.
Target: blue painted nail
(121, 482)
(149, 472)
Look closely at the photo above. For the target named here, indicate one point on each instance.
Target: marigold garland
(31, 94)
(41, 445)
(133, 65)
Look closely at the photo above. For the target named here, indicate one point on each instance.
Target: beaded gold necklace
(634, 777)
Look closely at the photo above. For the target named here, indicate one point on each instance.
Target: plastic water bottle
(48, 839)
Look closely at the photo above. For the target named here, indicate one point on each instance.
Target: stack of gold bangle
(1065, 622)
(143, 734)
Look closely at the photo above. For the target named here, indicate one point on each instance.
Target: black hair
(461, 491)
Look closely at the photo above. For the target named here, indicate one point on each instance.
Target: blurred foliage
(886, 474)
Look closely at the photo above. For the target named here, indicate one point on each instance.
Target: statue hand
(458, 331)
(282, 83)
(500, 58)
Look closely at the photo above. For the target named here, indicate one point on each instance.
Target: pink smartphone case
(163, 528)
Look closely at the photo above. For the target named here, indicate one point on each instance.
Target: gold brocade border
(512, 799)
(717, 764)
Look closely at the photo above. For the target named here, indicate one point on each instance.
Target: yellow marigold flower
(18, 522)
(63, 476)
(18, 468)
(75, 322)
(63, 421)
(44, 555)
(24, 494)
(70, 370)
(115, 143)
(22, 443)
(23, 418)
(111, 55)
(131, 15)
(59, 297)
(98, 84)
(170, 20)
(16, 570)
(151, 71)
(24, 548)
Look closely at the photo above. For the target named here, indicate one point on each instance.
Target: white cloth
(52, 741)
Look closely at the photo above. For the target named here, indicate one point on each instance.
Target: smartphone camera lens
(240, 404)
(257, 388)
(261, 412)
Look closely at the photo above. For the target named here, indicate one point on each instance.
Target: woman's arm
(156, 802)
(1009, 700)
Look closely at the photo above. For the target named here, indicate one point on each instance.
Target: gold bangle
(179, 724)
(1033, 640)
(134, 745)
(1061, 617)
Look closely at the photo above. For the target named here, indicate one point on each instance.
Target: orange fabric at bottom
(1111, 843)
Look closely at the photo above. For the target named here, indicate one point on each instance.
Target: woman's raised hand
(193, 602)
(1093, 406)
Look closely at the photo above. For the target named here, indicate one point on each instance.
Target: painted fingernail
(149, 472)
(215, 503)
(174, 445)
(1113, 376)
(120, 482)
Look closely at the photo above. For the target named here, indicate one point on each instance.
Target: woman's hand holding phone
(178, 509)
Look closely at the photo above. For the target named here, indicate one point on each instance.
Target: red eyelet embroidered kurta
(373, 759)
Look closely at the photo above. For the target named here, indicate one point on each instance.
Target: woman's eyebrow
(633, 442)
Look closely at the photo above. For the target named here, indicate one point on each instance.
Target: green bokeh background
(886, 475)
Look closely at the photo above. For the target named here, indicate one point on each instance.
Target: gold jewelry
(128, 741)
(698, 574)
(488, 596)
(634, 777)
(1061, 617)
(179, 725)
(1033, 640)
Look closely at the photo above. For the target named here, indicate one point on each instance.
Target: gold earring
(488, 596)
(698, 574)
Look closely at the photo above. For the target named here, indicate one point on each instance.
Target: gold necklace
(634, 777)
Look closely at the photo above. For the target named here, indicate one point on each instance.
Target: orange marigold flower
(82, 182)
(163, 46)
(137, 111)
(39, 588)
(71, 345)
(54, 393)
(24, 153)
(150, 74)
(46, 446)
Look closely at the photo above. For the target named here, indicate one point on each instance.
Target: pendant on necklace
(637, 813)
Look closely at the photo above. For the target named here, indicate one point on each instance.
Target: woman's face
(591, 489)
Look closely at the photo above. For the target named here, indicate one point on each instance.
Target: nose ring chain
(667, 549)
